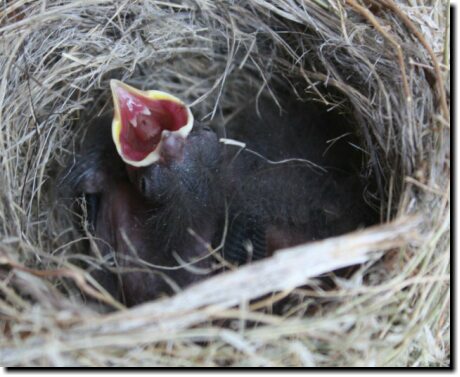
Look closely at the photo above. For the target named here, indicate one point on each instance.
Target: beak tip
(114, 85)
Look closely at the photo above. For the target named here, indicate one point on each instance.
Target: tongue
(144, 128)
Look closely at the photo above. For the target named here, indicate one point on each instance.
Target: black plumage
(289, 180)
(148, 221)
(285, 187)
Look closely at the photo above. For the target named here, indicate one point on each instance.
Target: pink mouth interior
(141, 131)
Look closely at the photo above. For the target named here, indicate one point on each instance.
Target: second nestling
(164, 192)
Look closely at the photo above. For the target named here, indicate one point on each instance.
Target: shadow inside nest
(270, 176)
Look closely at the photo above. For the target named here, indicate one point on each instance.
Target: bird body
(158, 219)
(138, 227)
(288, 180)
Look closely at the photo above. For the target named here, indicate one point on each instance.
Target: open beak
(140, 119)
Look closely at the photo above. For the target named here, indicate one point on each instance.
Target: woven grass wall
(383, 64)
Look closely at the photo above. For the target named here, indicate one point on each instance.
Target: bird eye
(143, 185)
(206, 128)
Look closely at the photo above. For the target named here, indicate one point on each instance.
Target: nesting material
(384, 64)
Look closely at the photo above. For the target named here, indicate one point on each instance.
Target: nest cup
(384, 65)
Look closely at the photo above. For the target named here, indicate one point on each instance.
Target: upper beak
(141, 117)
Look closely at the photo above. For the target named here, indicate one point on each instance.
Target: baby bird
(161, 192)
(287, 182)
(153, 224)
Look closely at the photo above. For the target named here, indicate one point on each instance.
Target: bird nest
(384, 65)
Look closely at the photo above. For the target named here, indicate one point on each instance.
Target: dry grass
(384, 64)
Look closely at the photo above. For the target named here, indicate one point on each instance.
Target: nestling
(163, 191)
(152, 194)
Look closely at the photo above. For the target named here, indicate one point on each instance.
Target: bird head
(153, 134)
